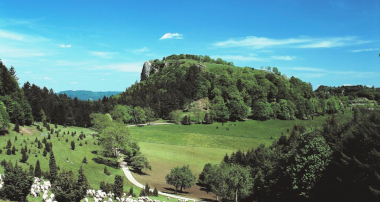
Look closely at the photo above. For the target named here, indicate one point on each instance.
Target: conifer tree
(37, 169)
(13, 150)
(131, 192)
(73, 145)
(118, 186)
(81, 185)
(17, 127)
(17, 183)
(9, 144)
(24, 157)
(52, 167)
(155, 192)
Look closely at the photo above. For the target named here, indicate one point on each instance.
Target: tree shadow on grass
(206, 199)
(136, 171)
(4, 132)
(172, 191)
(106, 162)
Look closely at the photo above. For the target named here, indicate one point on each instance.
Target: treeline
(234, 93)
(352, 92)
(14, 106)
(339, 162)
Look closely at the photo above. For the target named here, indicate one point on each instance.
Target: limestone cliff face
(149, 69)
(146, 70)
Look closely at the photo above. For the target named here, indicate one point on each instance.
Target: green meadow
(166, 146)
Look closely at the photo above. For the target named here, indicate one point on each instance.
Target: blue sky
(101, 45)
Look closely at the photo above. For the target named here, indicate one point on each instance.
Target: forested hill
(232, 92)
(89, 95)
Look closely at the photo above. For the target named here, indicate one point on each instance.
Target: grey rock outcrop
(147, 67)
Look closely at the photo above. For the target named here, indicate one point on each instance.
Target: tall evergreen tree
(118, 186)
(81, 185)
(37, 169)
(17, 183)
(52, 167)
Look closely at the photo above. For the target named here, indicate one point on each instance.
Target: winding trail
(130, 177)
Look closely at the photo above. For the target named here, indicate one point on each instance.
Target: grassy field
(168, 146)
(62, 151)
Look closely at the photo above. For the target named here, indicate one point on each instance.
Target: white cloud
(122, 67)
(103, 79)
(21, 37)
(11, 52)
(238, 57)
(300, 42)
(65, 46)
(141, 50)
(310, 69)
(171, 35)
(11, 35)
(48, 78)
(310, 75)
(365, 50)
(287, 57)
(103, 54)
(74, 82)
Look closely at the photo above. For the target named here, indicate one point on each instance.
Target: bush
(186, 120)
(106, 171)
(9, 152)
(84, 160)
(73, 145)
(155, 192)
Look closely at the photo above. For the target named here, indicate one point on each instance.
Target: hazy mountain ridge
(91, 95)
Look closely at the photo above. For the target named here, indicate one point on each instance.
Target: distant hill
(85, 94)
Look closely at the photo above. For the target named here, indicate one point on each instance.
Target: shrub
(106, 171)
(155, 192)
(9, 152)
(73, 145)
(84, 160)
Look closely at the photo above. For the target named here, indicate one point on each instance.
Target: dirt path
(130, 177)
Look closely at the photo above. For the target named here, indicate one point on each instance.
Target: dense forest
(230, 93)
(338, 162)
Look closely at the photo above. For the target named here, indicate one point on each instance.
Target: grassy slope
(62, 150)
(168, 146)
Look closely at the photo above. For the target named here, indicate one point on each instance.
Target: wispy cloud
(74, 82)
(171, 35)
(300, 42)
(238, 57)
(141, 50)
(12, 52)
(11, 35)
(65, 46)
(21, 37)
(309, 69)
(103, 54)
(311, 72)
(365, 50)
(287, 57)
(122, 67)
(48, 78)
